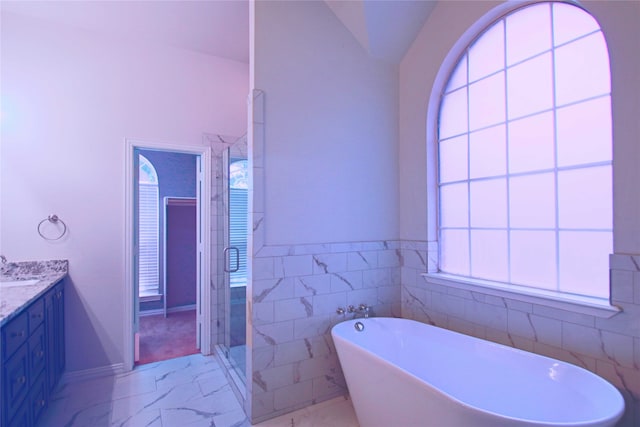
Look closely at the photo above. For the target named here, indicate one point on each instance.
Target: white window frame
(586, 305)
(149, 224)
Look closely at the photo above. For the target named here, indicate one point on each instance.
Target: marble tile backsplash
(609, 347)
(296, 291)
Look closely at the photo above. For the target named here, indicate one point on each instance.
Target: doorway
(155, 297)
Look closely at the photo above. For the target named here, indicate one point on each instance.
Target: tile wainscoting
(609, 347)
(296, 291)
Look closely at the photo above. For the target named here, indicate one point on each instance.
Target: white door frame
(203, 194)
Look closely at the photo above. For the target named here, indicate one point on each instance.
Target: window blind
(148, 237)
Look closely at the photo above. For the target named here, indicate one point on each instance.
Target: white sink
(12, 283)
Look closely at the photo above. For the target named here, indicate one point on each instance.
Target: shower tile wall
(608, 347)
(296, 291)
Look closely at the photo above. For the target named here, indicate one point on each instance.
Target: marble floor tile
(189, 391)
(337, 412)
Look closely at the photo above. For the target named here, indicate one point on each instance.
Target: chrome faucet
(361, 311)
(3, 258)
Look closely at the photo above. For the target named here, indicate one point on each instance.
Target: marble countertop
(14, 298)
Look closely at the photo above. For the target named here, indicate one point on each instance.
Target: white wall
(331, 128)
(69, 99)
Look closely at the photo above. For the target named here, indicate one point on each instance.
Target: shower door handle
(226, 256)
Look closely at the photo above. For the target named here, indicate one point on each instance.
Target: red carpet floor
(166, 338)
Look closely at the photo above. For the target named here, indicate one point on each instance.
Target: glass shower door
(235, 257)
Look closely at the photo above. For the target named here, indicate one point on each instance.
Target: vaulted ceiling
(385, 29)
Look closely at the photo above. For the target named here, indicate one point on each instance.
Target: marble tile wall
(296, 291)
(609, 347)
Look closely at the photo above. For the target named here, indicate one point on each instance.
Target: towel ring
(54, 219)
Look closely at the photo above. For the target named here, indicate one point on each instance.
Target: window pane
(525, 153)
(459, 76)
(529, 86)
(532, 201)
(528, 33)
(584, 132)
(489, 255)
(531, 144)
(582, 70)
(584, 262)
(454, 256)
(584, 198)
(533, 258)
(454, 205)
(486, 55)
(488, 152)
(453, 114)
(453, 159)
(486, 102)
(489, 203)
(571, 22)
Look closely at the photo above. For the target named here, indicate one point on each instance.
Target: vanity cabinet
(32, 358)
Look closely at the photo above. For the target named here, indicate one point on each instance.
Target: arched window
(148, 230)
(525, 155)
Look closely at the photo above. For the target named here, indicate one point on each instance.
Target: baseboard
(88, 374)
(169, 310)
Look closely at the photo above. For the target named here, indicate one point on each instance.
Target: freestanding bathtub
(403, 373)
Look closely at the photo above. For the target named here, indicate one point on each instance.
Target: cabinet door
(16, 383)
(38, 399)
(59, 326)
(54, 309)
(37, 354)
(21, 416)
(50, 299)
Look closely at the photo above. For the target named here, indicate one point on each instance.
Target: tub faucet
(364, 308)
(3, 258)
(361, 311)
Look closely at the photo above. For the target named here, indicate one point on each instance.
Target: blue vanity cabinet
(32, 355)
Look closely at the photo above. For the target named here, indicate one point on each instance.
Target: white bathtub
(402, 373)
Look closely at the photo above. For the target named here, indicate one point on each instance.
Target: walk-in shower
(230, 198)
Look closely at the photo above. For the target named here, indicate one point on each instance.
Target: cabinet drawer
(37, 354)
(36, 314)
(16, 384)
(15, 333)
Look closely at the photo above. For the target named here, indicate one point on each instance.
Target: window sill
(147, 298)
(578, 304)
